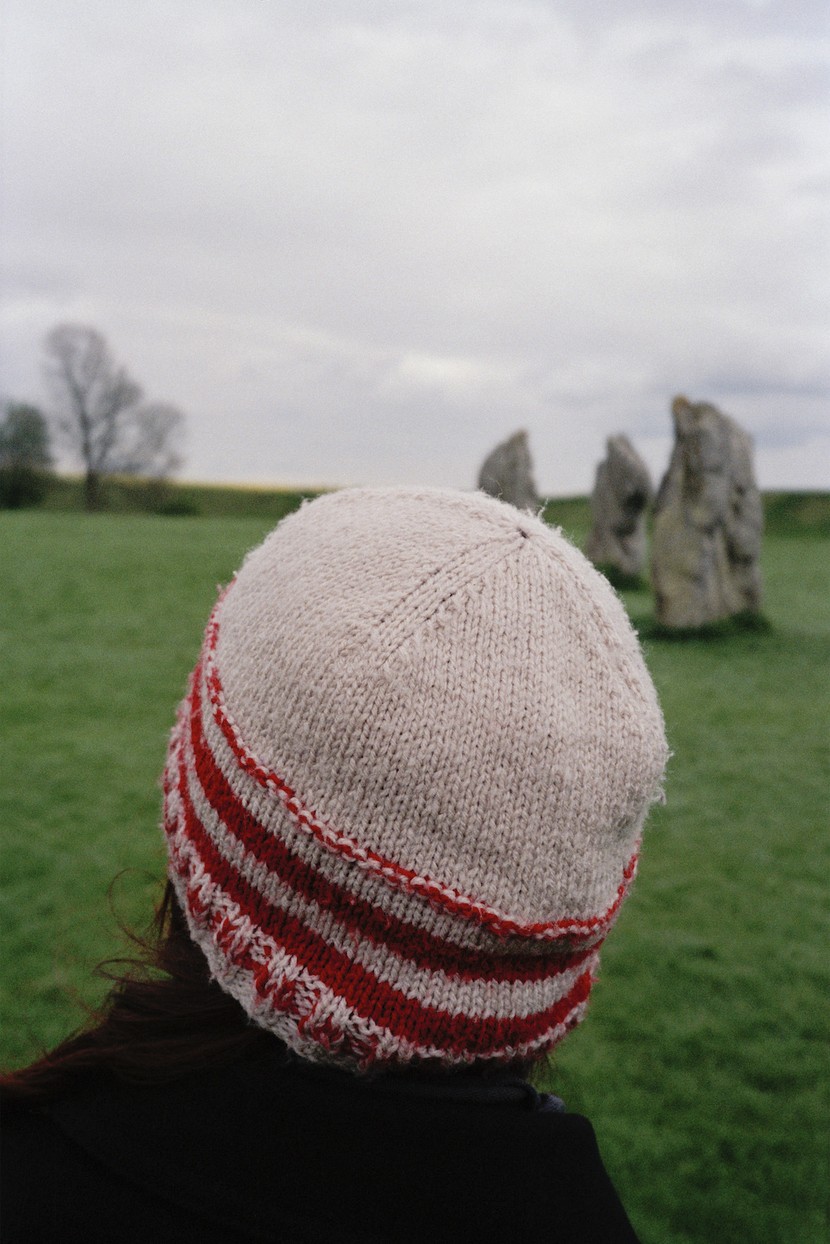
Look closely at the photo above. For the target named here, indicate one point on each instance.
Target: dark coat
(300, 1155)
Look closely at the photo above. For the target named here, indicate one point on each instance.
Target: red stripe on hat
(287, 998)
(371, 923)
(462, 1036)
(406, 1018)
(395, 874)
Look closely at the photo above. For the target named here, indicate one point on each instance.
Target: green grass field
(703, 1062)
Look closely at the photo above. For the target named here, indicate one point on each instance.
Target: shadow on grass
(745, 623)
(621, 581)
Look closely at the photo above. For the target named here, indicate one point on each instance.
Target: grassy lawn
(704, 1060)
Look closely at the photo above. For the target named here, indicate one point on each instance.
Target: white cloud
(801, 465)
(367, 241)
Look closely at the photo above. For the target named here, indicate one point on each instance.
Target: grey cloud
(383, 236)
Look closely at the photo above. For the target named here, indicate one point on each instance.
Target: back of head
(406, 789)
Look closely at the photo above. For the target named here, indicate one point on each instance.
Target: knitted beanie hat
(405, 791)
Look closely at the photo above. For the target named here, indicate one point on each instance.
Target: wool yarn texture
(406, 789)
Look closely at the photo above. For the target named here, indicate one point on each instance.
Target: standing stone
(622, 491)
(507, 473)
(706, 538)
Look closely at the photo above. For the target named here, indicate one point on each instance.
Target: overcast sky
(364, 240)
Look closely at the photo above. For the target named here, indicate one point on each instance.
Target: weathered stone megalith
(708, 521)
(507, 473)
(622, 491)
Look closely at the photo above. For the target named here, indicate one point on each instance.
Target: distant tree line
(98, 414)
(25, 458)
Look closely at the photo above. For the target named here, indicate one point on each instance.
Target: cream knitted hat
(405, 792)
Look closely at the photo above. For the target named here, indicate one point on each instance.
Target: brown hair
(162, 1018)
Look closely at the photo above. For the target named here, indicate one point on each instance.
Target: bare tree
(151, 445)
(99, 412)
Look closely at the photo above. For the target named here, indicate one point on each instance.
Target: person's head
(405, 792)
